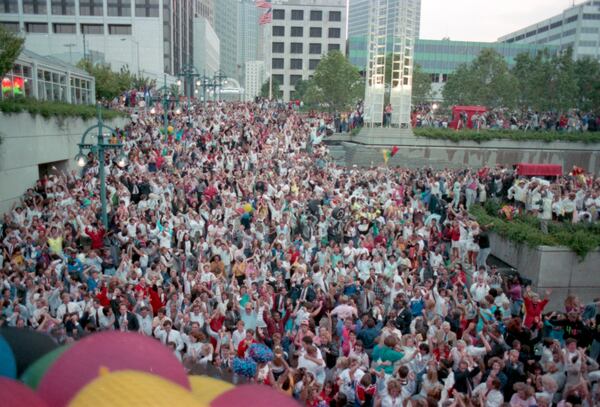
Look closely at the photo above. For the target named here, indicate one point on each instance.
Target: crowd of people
(428, 115)
(371, 286)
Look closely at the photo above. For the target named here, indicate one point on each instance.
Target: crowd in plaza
(427, 115)
(371, 286)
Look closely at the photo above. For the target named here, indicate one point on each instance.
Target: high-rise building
(358, 27)
(149, 36)
(236, 24)
(206, 9)
(577, 27)
(255, 77)
(206, 47)
(302, 32)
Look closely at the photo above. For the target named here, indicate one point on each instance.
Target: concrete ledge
(552, 267)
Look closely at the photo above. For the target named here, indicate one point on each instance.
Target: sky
(483, 20)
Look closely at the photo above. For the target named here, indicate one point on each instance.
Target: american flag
(262, 4)
(266, 18)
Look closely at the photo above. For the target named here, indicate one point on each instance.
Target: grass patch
(514, 135)
(50, 110)
(580, 238)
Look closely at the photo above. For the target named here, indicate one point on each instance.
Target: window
(297, 32)
(294, 79)
(571, 19)
(312, 63)
(333, 47)
(444, 77)
(542, 29)
(278, 31)
(314, 48)
(119, 8)
(36, 28)
(591, 16)
(20, 81)
(334, 32)
(64, 28)
(278, 79)
(316, 15)
(298, 15)
(589, 30)
(9, 6)
(80, 91)
(119, 29)
(92, 29)
(530, 34)
(335, 16)
(278, 47)
(295, 63)
(146, 8)
(63, 7)
(90, 8)
(588, 43)
(277, 63)
(52, 85)
(296, 48)
(34, 6)
(278, 14)
(316, 32)
(568, 32)
(10, 26)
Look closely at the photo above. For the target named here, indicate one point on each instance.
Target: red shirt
(97, 238)
(533, 311)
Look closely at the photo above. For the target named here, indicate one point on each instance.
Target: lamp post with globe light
(98, 150)
(163, 96)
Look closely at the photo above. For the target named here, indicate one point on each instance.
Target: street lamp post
(98, 150)
(218, 81)
(164, 99)
(188, 73)
(205, 82)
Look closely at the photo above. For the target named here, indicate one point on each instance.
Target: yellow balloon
(206, 389)
(248, 208)
(170, 129)
(126, 388)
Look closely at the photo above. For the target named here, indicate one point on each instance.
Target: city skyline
(468, 20)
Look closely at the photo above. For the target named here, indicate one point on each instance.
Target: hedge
(525, 229)
(54, 109)
(514, 135)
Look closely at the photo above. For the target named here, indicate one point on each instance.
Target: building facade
(206, 9)
(440, 58)
(255, 77)
(358, 27)
(302, 32)
(47, 78)
(206, 47)
(149, 36)
(577, 27)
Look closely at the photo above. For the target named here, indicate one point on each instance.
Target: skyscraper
(358, 27)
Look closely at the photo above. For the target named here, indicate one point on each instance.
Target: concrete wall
(557, 268)
(28, 141)
(415, 152)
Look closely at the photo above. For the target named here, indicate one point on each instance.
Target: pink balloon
(13, 393)
(110, 351)
(252, 395)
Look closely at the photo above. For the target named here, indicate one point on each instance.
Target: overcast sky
(483, 20)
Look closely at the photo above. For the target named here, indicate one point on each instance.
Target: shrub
(514, 135)
(580, 238)
(54, 109)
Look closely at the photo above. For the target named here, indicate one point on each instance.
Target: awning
(542, 170)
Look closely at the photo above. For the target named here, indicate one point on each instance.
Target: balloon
(114, 351)
(248, 208)
(130, 388)
(205, 388)
(14, 393)
(8, 367)
(252, 395)
(27, 345)
(34, 373)
(170, 129)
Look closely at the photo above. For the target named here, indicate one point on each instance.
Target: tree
(11, 46)
(421, 86)
(485, 81)
(109, 84)
(264, 90)
(336, 83)
(587, 74)
(300, 88)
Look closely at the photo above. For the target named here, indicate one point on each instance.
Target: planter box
(557, 268)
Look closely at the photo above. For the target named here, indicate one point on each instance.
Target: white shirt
(171, 336)
(69, 308)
